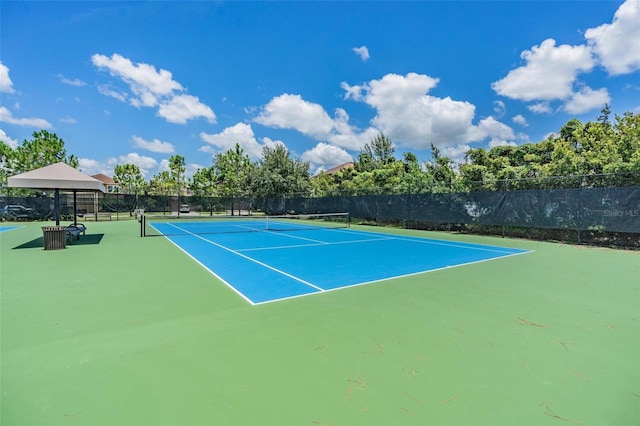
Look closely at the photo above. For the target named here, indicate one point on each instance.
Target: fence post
(580, 205)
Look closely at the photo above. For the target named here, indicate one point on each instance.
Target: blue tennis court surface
(267, 266)
(7, 228)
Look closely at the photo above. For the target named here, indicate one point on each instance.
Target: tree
(324, 185)
(627, 128)
(278, 174)
(231, 172)
(570, 131)
(44, 149)
(476, 177)
(441, 171)
(203, 186)
(130, 178)
(577, 150)
(203, 182)
(177, 169)
(162, 184)
(6, 159)
(414, 179)
(375, 154)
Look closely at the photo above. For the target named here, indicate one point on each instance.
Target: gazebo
(59, 177)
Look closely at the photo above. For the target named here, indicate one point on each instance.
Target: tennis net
(219, 224)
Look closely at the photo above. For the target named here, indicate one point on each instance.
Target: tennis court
(5, 228)
(265, 259)
(123, 330)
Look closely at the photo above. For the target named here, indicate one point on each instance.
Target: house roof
(104, 179)
(340, 168)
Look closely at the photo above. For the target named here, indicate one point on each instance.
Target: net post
(142, 225)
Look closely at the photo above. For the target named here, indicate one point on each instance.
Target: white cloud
(413, 118)
(146, 164)
(617, 45)
(292, 112)
(393, 88)
(499, 108)
(353, 140)
(523, 137)
(521, 120)
(362, 51)
(68, 120)
(587, 99)
(163, 166)
(498, 133)
(353, 92)
(7, 117)
(241, 134)
(455, 153)
(182, 108)
(112, 93)
(152, 88)
(346, 136)
(6, 85)
(408, 115)
(13, 143)
(324, 156)
(143, 79)
(404, 111)
(155, 145)
(94, 167)
(540, 108)
(549, 73)
(75, 82)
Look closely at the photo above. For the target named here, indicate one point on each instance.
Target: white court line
(393, 277)
(238, 292)
(471, 246)
(322, 243)
(284, 234)
(251, 259)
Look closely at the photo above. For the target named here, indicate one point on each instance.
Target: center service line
(249, 258)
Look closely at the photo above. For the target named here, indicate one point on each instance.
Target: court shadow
(85, 240)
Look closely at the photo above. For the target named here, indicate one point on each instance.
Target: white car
(184, 208)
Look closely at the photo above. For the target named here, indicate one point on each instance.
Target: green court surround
(122, 330)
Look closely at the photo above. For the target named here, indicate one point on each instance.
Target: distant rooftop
(104, 179)
(340, 168)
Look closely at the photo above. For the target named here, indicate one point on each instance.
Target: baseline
(233, 268)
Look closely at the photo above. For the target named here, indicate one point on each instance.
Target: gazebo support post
(75, 210)
(56, 206)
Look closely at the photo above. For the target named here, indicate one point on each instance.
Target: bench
(100, 216)
(103, 216)
(74, 231)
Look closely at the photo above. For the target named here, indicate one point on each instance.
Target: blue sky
(136, 82)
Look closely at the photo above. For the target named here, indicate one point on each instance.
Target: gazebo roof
(56, 176)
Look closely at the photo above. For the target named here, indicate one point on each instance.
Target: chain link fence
(582, 209)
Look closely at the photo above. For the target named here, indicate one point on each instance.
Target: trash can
(55, 237)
